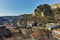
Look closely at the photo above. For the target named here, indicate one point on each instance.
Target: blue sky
(18, 7)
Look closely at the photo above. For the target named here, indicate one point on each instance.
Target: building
(56, 33)
(30, 23)
(51, 26)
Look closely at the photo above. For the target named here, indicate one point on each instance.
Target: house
(23, 31)
(51, 26)
(31, 23)
(56, 33)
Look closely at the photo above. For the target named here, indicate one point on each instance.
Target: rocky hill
(43, 13)
(22, 19)
(45, 10)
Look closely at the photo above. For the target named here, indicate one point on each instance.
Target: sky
(19, 7)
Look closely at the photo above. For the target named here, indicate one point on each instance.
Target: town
(42, 24)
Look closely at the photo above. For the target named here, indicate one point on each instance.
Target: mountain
(42, 13)
(8, 19)
(11, 18)
(46, 10)
(2, 20)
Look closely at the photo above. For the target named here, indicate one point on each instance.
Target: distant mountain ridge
(8, 19)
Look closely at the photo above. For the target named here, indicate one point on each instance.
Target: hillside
(42, 13)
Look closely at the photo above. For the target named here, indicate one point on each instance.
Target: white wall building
(49, 26)
(56, 33)
(30, 23)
